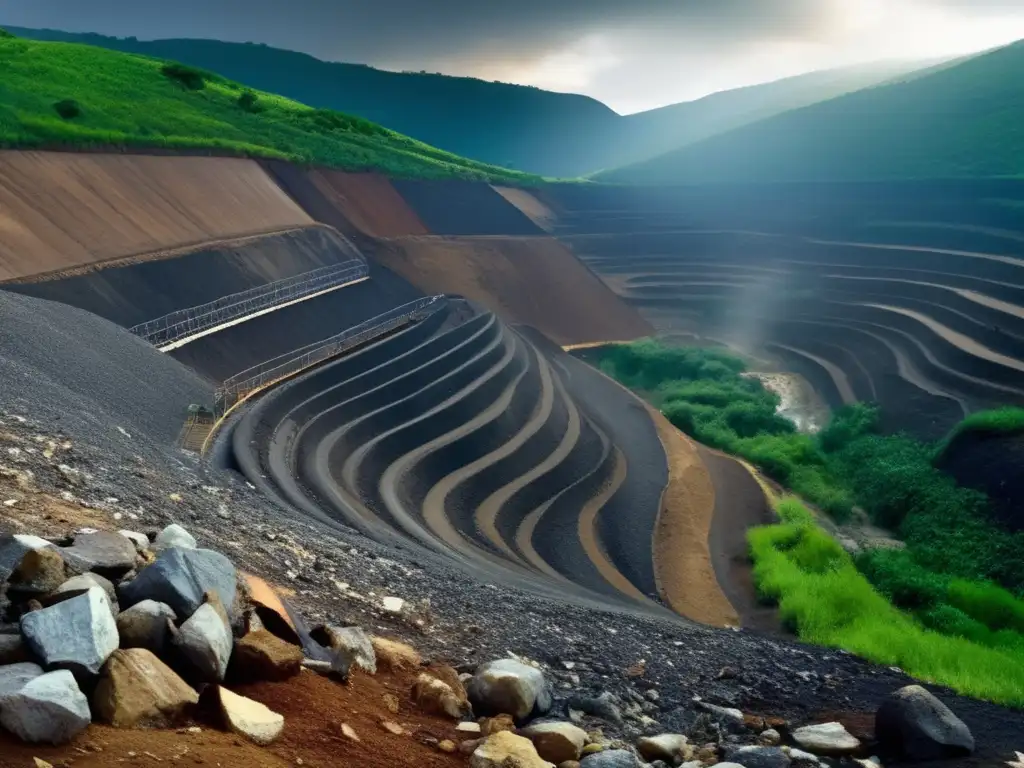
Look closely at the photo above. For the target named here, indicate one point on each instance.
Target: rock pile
(120, 629)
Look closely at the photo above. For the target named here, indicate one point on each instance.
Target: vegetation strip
(952, 593)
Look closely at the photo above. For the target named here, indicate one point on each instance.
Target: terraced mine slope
(910, 295)
(467, 436)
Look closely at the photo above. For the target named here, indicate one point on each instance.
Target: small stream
(799, 402)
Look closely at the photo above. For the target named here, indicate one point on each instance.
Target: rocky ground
(628, 675)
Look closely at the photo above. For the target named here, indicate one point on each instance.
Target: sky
(631, 54)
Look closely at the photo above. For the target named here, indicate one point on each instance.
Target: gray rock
(351, 644)
(758, 757)
(109, 554)
(509, 687)
(13, 548)
(139, 540)
(731, 719)
(913, 724)
(611, 758)
(826, 739)
(205, 640)
(13, 677)
(174, 536)
(77, 634)
(144, 625)
(78, 585)
(49, 709)
(179, 577)
(770, 737)
(602, 706)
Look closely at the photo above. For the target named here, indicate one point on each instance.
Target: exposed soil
(61, 210)
(370, 202)
(992, 464)
(314, 710)
(531, 280)
(538, 213)
(740, 503)
(682, 558)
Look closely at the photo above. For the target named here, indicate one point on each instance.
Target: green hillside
(965, 120)
(63, 94)
(554, 134)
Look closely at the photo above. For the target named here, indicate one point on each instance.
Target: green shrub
(791, 510)
(847, 424)
(248, 101)
(192, 78)
(987, 603)
(68, 109)
(895, 574)
(5, 35)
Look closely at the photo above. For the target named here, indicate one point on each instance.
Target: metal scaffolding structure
(183, 323)
(258, 376)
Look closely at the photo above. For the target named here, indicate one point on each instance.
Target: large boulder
(49, 709)
(179, 577)
(758, 757)
(556, 741)
(77, 634)
(611, 758)
(826, 739)
(915, 725)
(174, 536)
(144, 625)
(206, 641)
(13, 677)
(139, 540)
(509, 687)
(109, 554)
(137, 690)
(14, 547)
(78, 585)
(261, 655)
(504, 749)
(40, 571)
(249, 718)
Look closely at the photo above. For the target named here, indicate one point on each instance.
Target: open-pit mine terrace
(385, 355)
(389, 355)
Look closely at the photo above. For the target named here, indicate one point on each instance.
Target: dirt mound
(314, 709)
(355, 203)
(530, 280)
(62, 210)
(464, 208)
(537, 211)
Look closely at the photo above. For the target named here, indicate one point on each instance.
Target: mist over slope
(519, 127)
(956, 121)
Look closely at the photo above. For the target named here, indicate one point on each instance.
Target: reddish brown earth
(61, 210)
(530, 280)
(538, 212)
(314, 709)
(369, 202)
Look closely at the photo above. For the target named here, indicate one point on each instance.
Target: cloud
(631, 53)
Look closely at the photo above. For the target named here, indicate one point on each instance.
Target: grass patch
(824, 597)
(133, 101)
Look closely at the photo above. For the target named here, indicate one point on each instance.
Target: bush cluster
(68, 109)
(192, 78)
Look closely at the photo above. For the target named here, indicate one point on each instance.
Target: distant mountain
(960, 119)
(524, 128)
